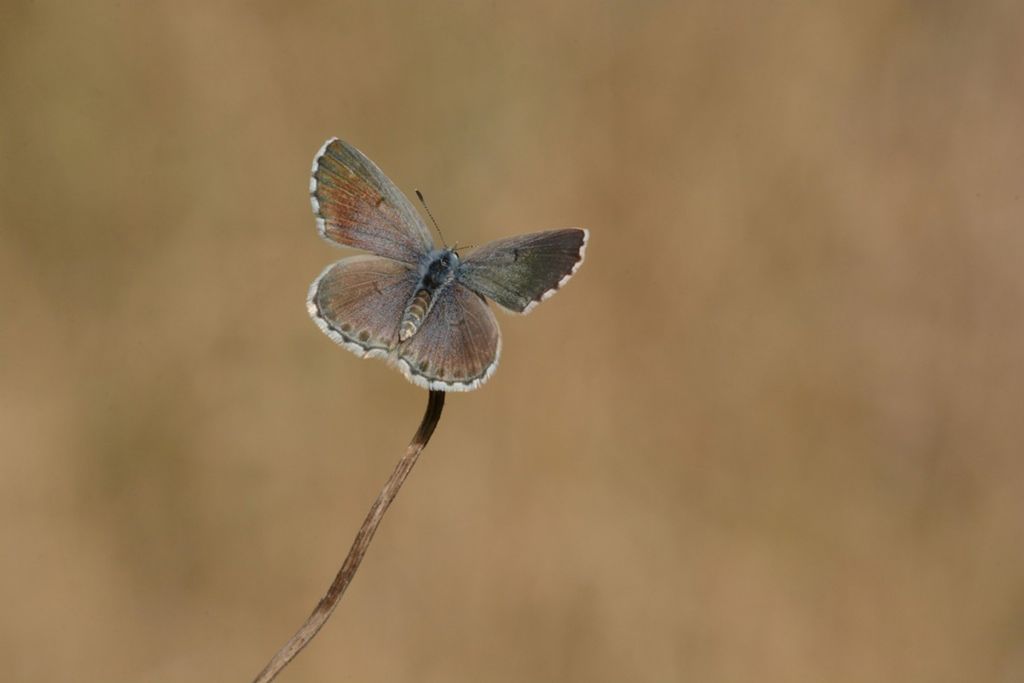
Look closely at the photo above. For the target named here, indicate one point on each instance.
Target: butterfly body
(421, 307)
(438, 271)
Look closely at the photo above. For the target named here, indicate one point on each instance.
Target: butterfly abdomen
(414, 314)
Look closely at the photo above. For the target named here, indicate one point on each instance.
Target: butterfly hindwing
(457, 346)
(519, 272)
(356, 205)
(358, 302)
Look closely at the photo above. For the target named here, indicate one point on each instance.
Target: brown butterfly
(418, 305)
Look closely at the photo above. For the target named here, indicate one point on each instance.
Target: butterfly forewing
(519, 272)
(457, 346)
(356, 205)
(358, 302)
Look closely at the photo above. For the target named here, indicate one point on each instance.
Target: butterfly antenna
(423, 201)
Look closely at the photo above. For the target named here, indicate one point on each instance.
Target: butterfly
(417, 305)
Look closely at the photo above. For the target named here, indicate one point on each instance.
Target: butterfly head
(439, 268)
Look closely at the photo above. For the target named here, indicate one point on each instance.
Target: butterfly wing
(519, 272)
(358, 302)
(457, 346)
(356, 205)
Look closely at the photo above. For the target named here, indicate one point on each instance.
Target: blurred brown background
(772, 431)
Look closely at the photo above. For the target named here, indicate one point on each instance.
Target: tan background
(771, 432)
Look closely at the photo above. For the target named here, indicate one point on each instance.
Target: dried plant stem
(327, 604)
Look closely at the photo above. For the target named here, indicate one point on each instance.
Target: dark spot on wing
(364, 336)
(379, 202)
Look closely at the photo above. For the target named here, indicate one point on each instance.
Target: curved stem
(326, 606)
